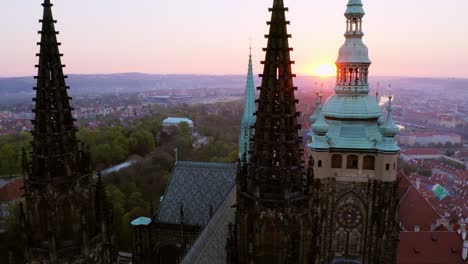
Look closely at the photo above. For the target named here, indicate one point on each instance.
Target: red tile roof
(430, 134)
(403, 183)
(430, 248)
(421, 151)
(12, 191)
(462, 154)
(441, 228)
(415, 210)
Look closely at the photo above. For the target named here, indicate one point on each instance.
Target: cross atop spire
(55, 151)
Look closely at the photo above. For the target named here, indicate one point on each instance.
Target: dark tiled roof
(210, 246)
(198, 186)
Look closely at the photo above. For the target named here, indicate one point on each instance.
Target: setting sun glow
(324, 70)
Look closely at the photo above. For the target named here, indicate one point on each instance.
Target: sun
(324, 70)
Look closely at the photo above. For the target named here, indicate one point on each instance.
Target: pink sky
(405, 38)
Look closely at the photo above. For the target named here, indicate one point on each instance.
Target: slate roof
(210, 247)
(198, 186)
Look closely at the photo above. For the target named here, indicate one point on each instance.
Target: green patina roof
(349, 135)
(248, 118)
(142, 221)
(249, 106)
(355, 8)
(352, 119)
(352, 106)
(318, 109)
(389, 128)
(352, 124)
(440, 192)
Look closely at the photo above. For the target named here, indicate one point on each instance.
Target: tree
(8, 159)
(141, 142)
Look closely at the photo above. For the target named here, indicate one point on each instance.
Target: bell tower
(354, 193)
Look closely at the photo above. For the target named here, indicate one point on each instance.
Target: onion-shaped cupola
(318, 108)
(389, 128)
(320, 127)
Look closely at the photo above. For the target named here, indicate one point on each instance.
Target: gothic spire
(276, 160)
(270, 187)
(55, 148)
(249, 106)
(248, 118)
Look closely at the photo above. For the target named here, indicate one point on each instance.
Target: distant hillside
(20, 88)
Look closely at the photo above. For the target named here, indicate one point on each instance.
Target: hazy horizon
(303, 75)
(406, 39)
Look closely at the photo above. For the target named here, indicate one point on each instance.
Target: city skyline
(208, 38)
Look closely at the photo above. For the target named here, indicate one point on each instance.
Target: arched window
(387, 167)
(352, 162)
(337, 161)
(369, 163)
(320, 164)
(169, 254)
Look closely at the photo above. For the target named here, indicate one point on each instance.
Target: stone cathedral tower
(354, 194)
(271, 197)
(67, 217)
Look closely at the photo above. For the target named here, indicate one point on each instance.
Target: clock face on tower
(349, 216)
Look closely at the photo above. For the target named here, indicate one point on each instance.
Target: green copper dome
(354, 107)
(355, 8)
(320, 126)
(353, 51)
